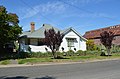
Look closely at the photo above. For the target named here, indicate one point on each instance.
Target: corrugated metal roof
(96, 33)
(25, 33)
(40, 32)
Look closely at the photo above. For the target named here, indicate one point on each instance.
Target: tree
(9, 28)
(106, 39)
(90, 45)
(53, 40)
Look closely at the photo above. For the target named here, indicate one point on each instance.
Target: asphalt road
(94, 70)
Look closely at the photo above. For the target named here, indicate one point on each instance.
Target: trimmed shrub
(23, 55)
(70, 53)
(40, 54)
(79, 52)
(96, 52)
(115, 49)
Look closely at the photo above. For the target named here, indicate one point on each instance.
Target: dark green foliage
(8, 56)
(115, 49)
(15, 55)
(81, 53)
(9, 28)
(95, 52)
(39, 54)
(70, 53)
(102, 54)
(23, 55)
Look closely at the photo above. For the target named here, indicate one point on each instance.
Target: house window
(70, 42)
(27, 41)
(33, 41)
(41, 42)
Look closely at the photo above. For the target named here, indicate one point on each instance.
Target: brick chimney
(32, 24)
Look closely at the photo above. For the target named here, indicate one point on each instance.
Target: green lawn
(4, 62)
(34, 60)
(66, 59)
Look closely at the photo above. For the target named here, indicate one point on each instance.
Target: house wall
(33, 46)
(39, 48)
(80, 44)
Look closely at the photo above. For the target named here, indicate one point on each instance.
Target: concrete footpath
(54, 63)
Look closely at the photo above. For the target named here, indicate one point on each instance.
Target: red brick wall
(116, 41)
(94, 34)
(97, 41)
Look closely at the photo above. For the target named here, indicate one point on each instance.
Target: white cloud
(49, 7)
(83, 2)
(54, 7)
(94, 15)
(89, 15)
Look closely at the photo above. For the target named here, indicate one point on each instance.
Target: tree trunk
(54, 55)
(108, 51)
(2, 50)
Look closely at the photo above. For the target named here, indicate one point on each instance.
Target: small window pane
(70, 42)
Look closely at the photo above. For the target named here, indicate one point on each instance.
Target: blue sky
(82, 15)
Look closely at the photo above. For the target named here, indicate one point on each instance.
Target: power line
(87, 11)
(35, 10)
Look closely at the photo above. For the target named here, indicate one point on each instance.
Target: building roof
(96, 33)
(40, 32)
(69, 29)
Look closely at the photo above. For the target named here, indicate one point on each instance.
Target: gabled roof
(69, 29)
(40, 32)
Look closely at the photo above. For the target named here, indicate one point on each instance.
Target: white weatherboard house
(31, 40)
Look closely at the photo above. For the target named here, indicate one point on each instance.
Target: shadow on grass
(17, 77)
(46, 77)
(13, 56)
(23, 77)
(60, 57)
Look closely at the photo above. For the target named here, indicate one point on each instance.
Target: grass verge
(4, 62)
(34, 60)
(64, 59)
(67, 59)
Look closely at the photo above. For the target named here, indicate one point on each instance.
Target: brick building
(95, 34)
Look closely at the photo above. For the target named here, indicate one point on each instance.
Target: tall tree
(9, 28)
(106, 39)
(53, 40)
